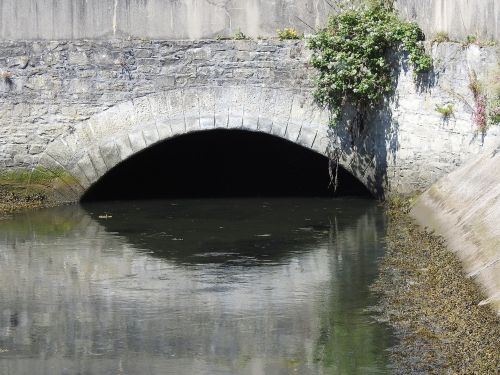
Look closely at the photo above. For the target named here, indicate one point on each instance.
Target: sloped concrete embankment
(464, 207)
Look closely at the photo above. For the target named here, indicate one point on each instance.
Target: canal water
(221, 286)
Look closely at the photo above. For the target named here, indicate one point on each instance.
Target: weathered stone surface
(464, 207)
(458, 18)
(96, 93)
(197, 19)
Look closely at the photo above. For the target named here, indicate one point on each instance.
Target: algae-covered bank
(12, 201)
(434, 308)
(439, 279)
(16, 195)
(464, 208)
(25, 189)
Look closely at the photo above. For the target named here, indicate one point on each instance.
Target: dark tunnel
(223, 163)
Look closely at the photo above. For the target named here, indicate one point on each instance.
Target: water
(192, 287)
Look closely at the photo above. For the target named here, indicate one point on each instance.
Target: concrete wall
(157, 19)
(195, 19)
(464, 207)
(457, 17)
(84, 94)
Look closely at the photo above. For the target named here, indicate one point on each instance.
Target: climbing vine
(351, 54)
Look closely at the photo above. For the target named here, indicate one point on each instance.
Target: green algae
(32, 177)
(432, 305)
(22, 189)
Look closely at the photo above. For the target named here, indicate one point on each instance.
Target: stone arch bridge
(103, 141)
(75, 109)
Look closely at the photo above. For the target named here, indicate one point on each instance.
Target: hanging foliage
(351, 54)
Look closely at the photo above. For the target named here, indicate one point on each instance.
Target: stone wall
(56, 85)
(61, 89)
(195, 19)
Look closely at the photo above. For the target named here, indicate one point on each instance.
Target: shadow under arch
(223, 163)
(85, 152)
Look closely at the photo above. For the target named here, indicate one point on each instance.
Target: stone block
(279, 129)
(35, 149)
(159, 104)
(110, 154)
(60, 152)
(207, 123)
(115, 120)
(97, 161)
(137, 141)
(235, 121)
(87, 167)
(198, 54)
(174, 103)
(80, 176)
(220, 120)
(292, 131)
(78, 58)
(192, 123)
(205, 101)
(150, 133)
(163, 127)
(265, 125)
(178, 126)
(321, 143)
(124, 146)
(307, 136)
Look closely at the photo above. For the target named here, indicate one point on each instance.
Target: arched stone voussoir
(321, 141)
(60, 153)
(60, 181)
(115, 120)
(108, 138)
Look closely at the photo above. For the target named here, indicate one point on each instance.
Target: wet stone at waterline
(247, 286)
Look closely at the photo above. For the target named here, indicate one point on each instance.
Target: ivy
(351, 54)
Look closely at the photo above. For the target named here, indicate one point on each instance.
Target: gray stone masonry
(84, 106)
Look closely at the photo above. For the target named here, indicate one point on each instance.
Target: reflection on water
(192, 287)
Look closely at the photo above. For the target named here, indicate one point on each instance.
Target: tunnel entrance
(222, 163)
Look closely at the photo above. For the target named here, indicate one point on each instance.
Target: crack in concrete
(115, 23)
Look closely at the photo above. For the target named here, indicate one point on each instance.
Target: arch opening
(222, 164)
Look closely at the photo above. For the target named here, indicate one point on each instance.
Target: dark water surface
(252, 286)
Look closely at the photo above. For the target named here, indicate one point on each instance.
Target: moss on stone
(22, 189)
(27, 177)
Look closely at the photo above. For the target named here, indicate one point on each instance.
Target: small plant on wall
(440, 37)
(474, 39)
(445, 111)
(288, 33)
(238, 35)
(486, 94)
(479, 115)
(7, 78)
(494, 115)
(351, 55)
(493, 93)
